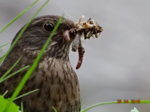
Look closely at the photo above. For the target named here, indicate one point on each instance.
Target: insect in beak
(85, 29)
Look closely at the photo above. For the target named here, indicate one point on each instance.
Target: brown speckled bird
(54, 77)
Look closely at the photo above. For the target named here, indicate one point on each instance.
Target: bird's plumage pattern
(54, 77)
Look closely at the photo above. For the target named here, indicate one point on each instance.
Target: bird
(54, 76)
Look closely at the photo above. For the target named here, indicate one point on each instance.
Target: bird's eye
(48, 26)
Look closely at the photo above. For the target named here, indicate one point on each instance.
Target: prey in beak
(84, 29)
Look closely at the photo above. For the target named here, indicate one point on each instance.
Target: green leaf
(22, 109)
(5, 93)
(10, 69)
(2, 58)
(13, 74)
(3, 104)
(55, 110)
(28, 93)
(97, 105)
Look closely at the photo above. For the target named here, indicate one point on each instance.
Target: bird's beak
(66, 36)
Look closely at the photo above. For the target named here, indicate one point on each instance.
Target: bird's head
(39, 30)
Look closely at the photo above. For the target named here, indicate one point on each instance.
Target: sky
(116, 65)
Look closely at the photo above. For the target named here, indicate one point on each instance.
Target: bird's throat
(60, 51)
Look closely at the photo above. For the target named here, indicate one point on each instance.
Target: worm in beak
(86, 29)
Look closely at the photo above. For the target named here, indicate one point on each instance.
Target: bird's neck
(54, 50)
(58, 51)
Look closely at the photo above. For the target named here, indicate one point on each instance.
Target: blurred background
(116, 65)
